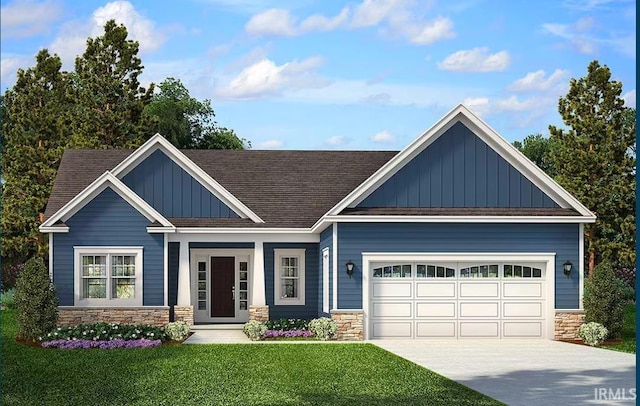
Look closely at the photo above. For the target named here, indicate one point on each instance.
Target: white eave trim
(459, 219)
(161, 230)
(460, 113)
(104, 181)
(54, 229)
(159, 142)
(246, 230)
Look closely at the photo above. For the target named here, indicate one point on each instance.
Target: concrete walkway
(527, 372)
(217, 337)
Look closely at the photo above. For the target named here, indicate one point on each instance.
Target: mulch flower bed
(604, 344)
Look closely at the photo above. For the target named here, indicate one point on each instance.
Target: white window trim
(325, 280)
(277, 255)
(78, 252)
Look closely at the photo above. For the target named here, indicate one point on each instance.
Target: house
(456, 236)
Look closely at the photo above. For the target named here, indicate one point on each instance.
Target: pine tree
(595, 161)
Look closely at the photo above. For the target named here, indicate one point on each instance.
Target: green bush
(36, 301)
(8, 299)
(105, 332)
(254, 330)
(593, 333)
(324, 328)
(177, 330)
(603, 300)
(628, 293)
(287, 324)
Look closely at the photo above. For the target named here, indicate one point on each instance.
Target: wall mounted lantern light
(567, 268)
(349, 266)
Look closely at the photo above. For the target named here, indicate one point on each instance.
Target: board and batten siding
(312, 285)
(458, 170)
(356, 238)
(172, 191)
(326, 241)
(108, 220)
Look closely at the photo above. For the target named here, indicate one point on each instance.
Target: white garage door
(457, 300)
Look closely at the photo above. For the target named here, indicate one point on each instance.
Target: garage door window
(434, 271)
(393, 271)
(521, 271)
(480, 271)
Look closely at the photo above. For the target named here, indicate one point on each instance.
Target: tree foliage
(603, 300)
(538, 149)
(187, 122)
(595, 161)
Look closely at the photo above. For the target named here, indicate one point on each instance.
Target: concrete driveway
(527, 372)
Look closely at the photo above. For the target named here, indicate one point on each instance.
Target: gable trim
(104, 181)
(159, 142)
(507, 151)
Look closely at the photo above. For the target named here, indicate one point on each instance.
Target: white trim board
(159, 142)
(106, 180)
(462, 114)
(458, 219)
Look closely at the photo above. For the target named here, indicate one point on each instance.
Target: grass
(224, 374)
(628, 331)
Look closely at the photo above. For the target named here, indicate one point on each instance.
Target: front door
(222, 286)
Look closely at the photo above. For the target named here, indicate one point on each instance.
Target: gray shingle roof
(285, 188)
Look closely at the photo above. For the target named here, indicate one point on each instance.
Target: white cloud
(27, 18)
(630, 98)
(479, 105)
(9, 65)
(384, 137)
(536, 81)
(319, 22)
(476, 60)
(336, 141)
(372, 12)
(71, 39)
(269, 144)
(265, 78)
(436, 30)
(280, 22)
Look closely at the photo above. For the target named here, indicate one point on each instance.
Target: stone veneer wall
(259, 313)
(183, 313)
(350, 324)
(71, 316)
(567, 324)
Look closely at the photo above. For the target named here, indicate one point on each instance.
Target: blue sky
(370, 74)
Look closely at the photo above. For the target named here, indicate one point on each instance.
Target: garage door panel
(471, 329)
(382, 329)
(392, 290)
(436, 309)
(428, 290)
(522, 309)
(436, 329)
(479, 309)
(531, 289)
(486, 289)
(524, 329)
(385, 309)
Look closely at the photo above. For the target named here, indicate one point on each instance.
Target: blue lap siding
(356, 238)
(108, 220)
(458, 170)
(310, 309)
(172, 191)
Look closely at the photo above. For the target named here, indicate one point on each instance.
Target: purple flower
(117, 343)
(288, 334)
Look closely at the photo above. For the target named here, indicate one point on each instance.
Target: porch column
(258, 289)
(184, 283)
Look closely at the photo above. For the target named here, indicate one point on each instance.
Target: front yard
(285, 374)
(628, 331)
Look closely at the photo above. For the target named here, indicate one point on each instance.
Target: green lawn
(628, 331)
(284, 374)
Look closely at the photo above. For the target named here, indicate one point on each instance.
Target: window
(521, 271)
(289, 276)
(110, 276)
(393, 271)
(479, 271)
(434, 271)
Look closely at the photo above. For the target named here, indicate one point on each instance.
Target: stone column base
(567, 324)
(259, 313)
(72, 316)
(183, 313)
(350, 324)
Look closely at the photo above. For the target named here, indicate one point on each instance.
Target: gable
(172, 191)
(458, 170)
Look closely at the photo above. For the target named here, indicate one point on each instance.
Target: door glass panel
(517, 271)
(431, 271)
(202, 286)
(377, 272)
(396, 271)
(526, 272)
(508, 271)
(387, 272)
(537, 273)
(450, 273)
(421, 271)
(243, 292)
(406, 271)
(493, 271)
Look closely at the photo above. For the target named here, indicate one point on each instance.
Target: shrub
(593, 333)
(10, 275)
(324, 328)
(628, 275)
(36, 301)
(105, 332)
(287, 324)
(8, 298)
(177, 330)
(627, 292)
(107, 345)
(254, 330)
(603, 300)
